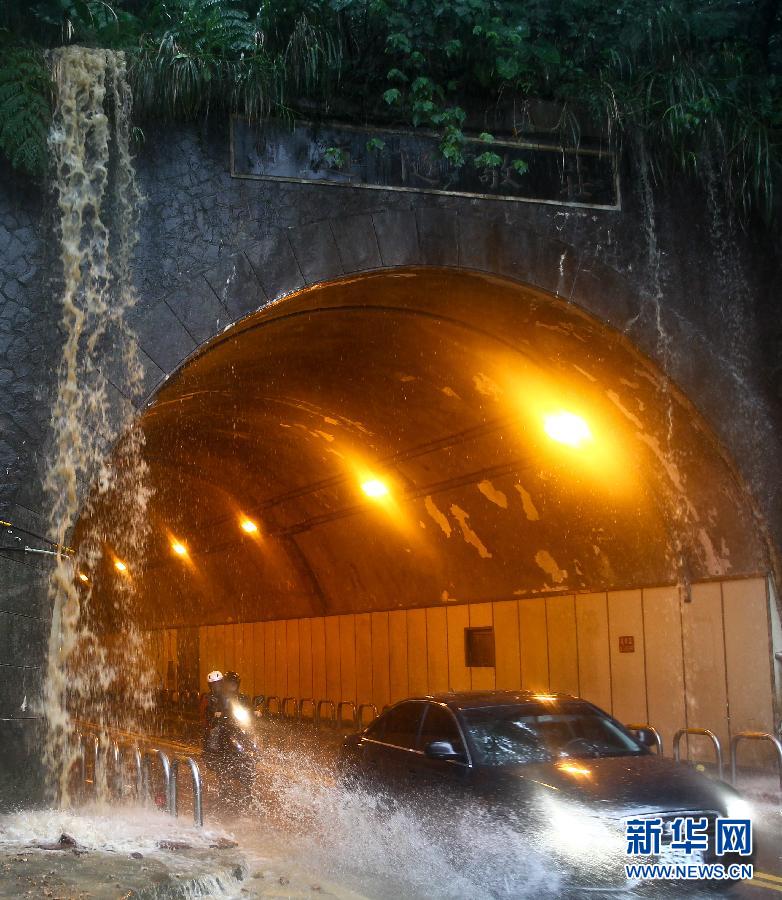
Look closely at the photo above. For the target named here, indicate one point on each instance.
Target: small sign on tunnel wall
(626, 643)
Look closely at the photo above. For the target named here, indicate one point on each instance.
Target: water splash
(98, 202)
(306, 821)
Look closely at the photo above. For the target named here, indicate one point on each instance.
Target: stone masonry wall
(713, 332)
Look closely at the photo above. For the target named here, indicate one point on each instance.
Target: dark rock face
(213, 249)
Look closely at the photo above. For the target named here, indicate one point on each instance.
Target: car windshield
(528, 733)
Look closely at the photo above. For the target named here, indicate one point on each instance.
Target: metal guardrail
(699, 732)
(655, 733)
(79, 741)
(287, 702)
(754, 736)
(308, 701)
(323, 713)
(166, 767)
(319, 713)
(82, 740)
(115, 755)
(138, 761)
(195, 773)
(360, 714)
(351, 706)
(142, 763)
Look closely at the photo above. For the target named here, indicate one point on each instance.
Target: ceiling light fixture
(374, 488)
(567, 428)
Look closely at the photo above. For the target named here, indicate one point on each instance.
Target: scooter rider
(230, 742)
(213, 711)
(231, 683)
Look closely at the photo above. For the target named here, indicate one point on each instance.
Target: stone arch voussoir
(285, 260)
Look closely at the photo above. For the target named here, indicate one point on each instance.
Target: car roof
(480, 699)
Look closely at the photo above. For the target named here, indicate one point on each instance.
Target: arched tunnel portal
(357, 487)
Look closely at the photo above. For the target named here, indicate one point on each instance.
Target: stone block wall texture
(213, 249)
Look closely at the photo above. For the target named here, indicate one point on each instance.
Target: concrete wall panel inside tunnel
(386, 656)
(665, 686)
(594, 664)
(534, 645)
(628, 668)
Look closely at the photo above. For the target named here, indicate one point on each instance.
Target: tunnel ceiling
(446, 387)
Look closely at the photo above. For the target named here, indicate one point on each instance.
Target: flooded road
(302, 834)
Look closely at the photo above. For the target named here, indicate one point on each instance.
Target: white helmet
(214, 677)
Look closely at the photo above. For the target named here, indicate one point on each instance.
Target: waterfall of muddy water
(98, 205)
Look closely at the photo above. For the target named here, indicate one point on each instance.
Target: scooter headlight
(241, 714)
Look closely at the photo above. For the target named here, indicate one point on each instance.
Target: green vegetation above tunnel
(696, 82)
(414, 438)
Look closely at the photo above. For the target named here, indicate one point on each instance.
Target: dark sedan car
(556, 766)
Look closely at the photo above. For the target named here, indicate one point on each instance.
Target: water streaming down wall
(96, 192)
(682, 522)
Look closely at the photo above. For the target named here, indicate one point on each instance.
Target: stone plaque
(337, 154)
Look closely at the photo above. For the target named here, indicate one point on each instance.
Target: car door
(440, 725)
(388, 748)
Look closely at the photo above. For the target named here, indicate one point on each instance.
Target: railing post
(702, 732)
(195, 772)
(172, 797)
(309, 701)
(95, 762)
(360, 714)
(119, 780)
(82, 760)
(754, 736)
(319, 712)
(198, 796)
(166, 765)
(140, 782)
(286, 702)
(352, 706)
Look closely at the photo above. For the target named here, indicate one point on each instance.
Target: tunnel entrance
(427, 479)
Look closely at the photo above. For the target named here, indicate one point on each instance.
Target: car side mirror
(442, 750)
(645, 737)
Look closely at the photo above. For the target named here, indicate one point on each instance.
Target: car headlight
(739, 808)
(576, 833)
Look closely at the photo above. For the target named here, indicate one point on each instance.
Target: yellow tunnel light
(248, 526)
(179, 548)
(374, 488)
(567, 428)
(120, 566)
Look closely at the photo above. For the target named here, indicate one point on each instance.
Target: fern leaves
(25, 109)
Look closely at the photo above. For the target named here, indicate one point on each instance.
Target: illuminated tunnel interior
(422, 439)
